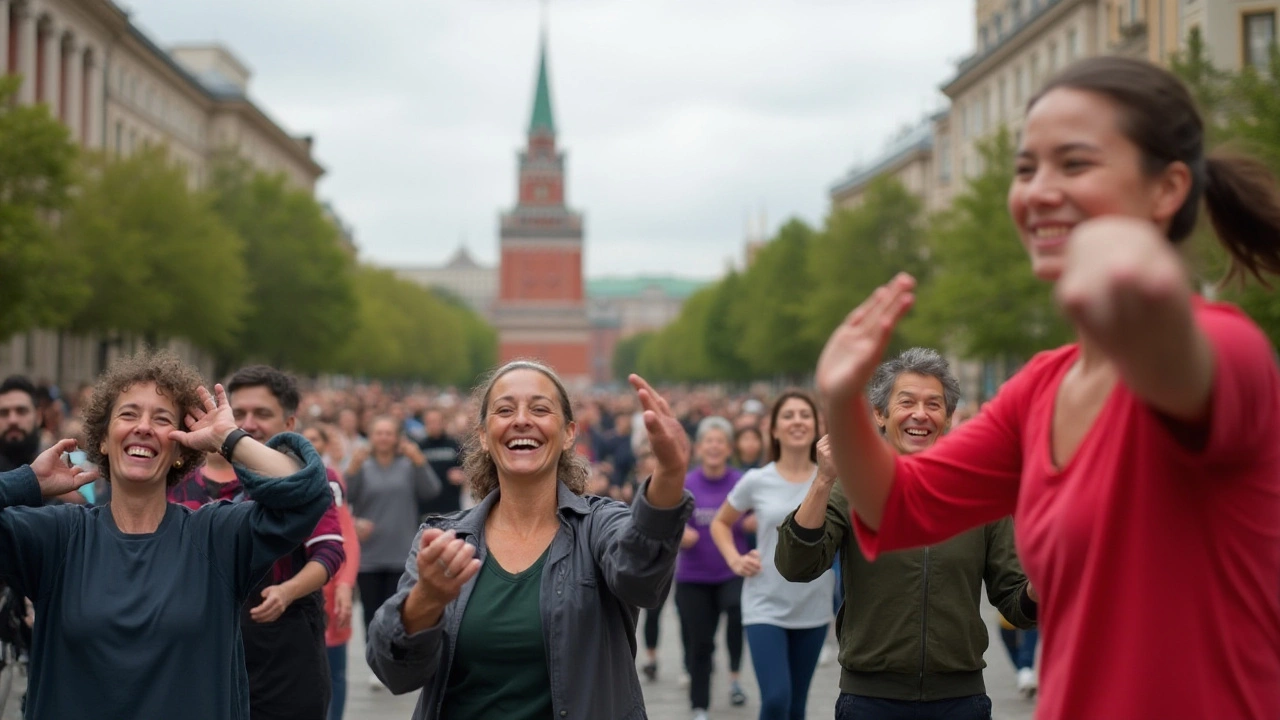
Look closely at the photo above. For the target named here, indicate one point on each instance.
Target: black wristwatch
(229, 445)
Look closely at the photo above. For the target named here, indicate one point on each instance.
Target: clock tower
(541, 311)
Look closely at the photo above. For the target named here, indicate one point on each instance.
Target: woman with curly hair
(138, 601)
(525, 606)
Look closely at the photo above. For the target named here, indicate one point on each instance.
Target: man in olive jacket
(911, 634)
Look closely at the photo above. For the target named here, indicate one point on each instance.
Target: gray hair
(715, 422)
(918, 360)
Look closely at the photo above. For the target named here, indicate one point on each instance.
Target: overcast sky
(680, 118)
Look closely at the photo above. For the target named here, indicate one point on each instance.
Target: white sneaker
(375, 683)
(827, 655)
(1027, 682)
(701, 715)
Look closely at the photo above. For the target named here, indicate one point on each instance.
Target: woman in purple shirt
(706, 586)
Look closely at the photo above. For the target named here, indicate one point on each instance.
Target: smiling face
(1075, 163)
(525, 430)
(917, 413)
(259, 412)
(795, 428)
(137, 447)
(714, 449)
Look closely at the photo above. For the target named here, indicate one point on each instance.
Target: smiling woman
(1133, 460)
(138, 601)
(499, 605)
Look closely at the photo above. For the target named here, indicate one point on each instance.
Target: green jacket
(910, 626)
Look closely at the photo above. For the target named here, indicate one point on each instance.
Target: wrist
(227, 444)
(420, 611)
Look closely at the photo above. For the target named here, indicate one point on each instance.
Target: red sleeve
(1246, 385)
(970, 478)
(325, 545)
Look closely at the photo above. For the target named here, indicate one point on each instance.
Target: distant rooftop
(910, 140)
(669, 286)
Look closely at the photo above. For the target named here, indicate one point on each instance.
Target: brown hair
(775, 447)
(173, 378)
(1160, 117)
(482, 474)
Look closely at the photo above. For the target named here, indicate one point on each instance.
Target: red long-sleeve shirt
(1158, 566)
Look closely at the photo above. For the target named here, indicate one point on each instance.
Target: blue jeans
(861, 707)
(784, 661)
(338, 680)
(1021, 645)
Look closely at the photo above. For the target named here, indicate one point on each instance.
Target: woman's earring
(178, 464)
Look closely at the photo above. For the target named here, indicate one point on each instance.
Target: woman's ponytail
(1244, 205)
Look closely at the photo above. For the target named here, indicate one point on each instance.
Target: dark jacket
(910, 627)
(606, 560)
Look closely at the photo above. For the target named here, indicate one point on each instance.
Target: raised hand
(856, 347)
(55, 475)
(826, 463)
(445, 564)
(209, 423)
(667, 437)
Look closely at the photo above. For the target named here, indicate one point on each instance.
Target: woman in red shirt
(1141, 462)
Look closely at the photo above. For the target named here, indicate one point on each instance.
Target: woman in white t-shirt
(785, 622)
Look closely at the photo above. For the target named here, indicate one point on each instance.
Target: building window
(1019, 84)
(1035, 71)
(963, 112)
(1053, 57)
(1073, 45)
(999, 26)
(119, 137)
(1002, 99)
(985, 40)
(1259, 39)
(1133, 10)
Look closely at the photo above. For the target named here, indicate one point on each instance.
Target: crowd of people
(199, 553)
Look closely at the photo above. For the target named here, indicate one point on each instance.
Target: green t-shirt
(500, 662)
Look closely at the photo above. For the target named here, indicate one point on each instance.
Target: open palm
(209, 423)
(855, 349)
(57, 477)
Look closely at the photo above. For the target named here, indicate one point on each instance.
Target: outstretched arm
(1125, 289)
(863, 461)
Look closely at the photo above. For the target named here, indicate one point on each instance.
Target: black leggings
(376, 587)
(700, 607)
(651, 618)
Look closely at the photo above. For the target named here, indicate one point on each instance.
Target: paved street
(665, 699)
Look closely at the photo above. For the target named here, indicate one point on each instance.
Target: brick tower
(540, 312)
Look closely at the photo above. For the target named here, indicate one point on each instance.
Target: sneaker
(375, 683)
(700, 714)
(650, 671)
(827, 655)
(1027, 682)
(736, 696)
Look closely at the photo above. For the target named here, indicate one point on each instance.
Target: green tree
(775, 300)
(861, 249)
(982, 299)
(1240, 111)
(37, 161)
(626, 354)
(156, 259)
(301, 298)
(405, 332)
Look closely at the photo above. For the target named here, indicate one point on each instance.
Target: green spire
(542, 119)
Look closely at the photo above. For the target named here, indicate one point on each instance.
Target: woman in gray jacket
(525, 606)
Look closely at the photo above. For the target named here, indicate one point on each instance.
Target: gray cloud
(679, 118)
